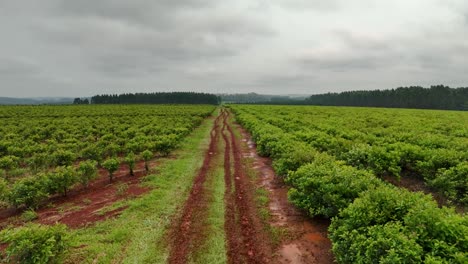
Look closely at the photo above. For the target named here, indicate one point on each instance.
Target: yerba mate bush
(333, 157)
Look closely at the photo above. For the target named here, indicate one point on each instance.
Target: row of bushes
(33, 243)
(57, 156)
(31, 191)
(371, 144)
(372, 221)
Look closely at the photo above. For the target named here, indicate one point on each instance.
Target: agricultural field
(232, 184)
(339, 162)
(46, 150)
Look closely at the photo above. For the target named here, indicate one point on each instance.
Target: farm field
(235, 184)
(339, 162)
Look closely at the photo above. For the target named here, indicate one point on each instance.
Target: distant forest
(154, 98)
(247, 98)
(435, 97)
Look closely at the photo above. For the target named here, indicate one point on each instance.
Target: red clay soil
(188, 233)
(247, 242)
(82, 206)
(232, 233)
(309, 242)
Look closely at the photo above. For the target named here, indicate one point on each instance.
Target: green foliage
(378, 159)
(372, 222)
(112, 149)
(34, 140)
(9, 162)
(386, 243)
(92, 152)
(87, 171)
(4, 190)
(301, 154)
(29, 215)
(63, 157)
(147, 155)
(453, 182)
(30, 191)
(111, 165)
(436, 159)
(390, 225)
(325, 186)
(38, 161)
(35, 243)
(130, 160)
(61, 180)
(166, 143)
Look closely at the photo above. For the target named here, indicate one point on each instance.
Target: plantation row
(45, 150)
(432, 145)
(332, 158)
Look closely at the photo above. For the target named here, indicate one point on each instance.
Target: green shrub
(391, 225)
(30, 191)
(9, 162)
(302, 154)
(4, 190)
(35, 243)
(147, 155)
(87, 171)
(29, 215)
(386, 243)
(63, 157)
(165, 144)
(436, 159)
(379, 159)
(61, 180)
(326, 186)
(111, 165)
(453, 182)
(92, 152)
(130, 159)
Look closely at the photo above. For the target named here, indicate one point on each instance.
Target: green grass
(138, 234)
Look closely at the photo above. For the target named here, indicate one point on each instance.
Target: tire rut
(245, 238)
(188, 233)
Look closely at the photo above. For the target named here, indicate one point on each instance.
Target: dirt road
(247, 238)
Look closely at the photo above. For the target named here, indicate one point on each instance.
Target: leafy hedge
(325, 186)
(372, 222)
(390, 225)
(35, 243)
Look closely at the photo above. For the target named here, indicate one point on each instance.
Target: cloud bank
(87, 47)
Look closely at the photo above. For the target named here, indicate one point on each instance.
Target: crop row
(46, 150)
(372, 221)
(431, 145)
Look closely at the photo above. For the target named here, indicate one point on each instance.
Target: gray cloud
(18, 66)
(81, 48)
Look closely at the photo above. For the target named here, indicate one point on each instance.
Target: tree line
(435, 97)
(154, 98)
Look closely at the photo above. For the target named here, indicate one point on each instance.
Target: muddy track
(246, 238)
(232, 233)
(307, 241)
(247, 242)
(188, 232)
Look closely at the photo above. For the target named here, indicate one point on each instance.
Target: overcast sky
(87, 47)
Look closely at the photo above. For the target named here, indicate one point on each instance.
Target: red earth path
(246, 238)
